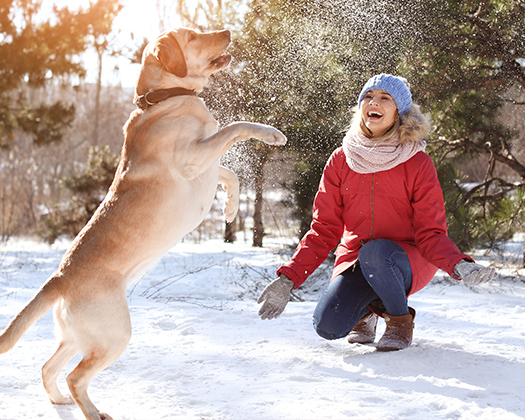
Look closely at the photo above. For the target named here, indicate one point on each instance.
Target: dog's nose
(227, 34)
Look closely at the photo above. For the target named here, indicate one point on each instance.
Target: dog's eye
(191, 36)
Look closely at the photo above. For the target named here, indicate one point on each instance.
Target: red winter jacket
(404, 204)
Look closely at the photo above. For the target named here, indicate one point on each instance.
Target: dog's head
(183, 58)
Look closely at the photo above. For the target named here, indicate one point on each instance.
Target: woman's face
(378, 111)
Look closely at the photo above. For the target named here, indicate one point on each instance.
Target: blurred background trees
(39, 66)
(298, 66)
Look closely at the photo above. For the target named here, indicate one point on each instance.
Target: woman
(380, 196)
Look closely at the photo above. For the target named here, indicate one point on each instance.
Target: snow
(199, 350)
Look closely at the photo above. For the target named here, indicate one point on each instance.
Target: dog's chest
(204, 187)
(191, 200)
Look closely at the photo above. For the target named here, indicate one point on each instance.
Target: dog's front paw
(274, 137)
(230, 208)
(230, 215)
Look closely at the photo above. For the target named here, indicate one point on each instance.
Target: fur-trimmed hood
(415, 125)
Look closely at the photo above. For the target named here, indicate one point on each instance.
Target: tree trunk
(229, 232)
(96, 123)
(258, 227)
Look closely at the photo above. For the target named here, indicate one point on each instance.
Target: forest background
(299, 66)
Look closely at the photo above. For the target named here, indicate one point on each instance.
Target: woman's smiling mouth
(374, 115)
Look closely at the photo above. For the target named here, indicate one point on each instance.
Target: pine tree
(470, 63)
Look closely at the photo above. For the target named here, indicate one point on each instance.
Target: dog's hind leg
(230, 183)
(67, 349)
(105, 334)
(65, 352)
(78, 381)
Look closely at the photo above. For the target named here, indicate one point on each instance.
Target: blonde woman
(380, 197)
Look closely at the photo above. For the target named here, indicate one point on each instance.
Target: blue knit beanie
(396, 87)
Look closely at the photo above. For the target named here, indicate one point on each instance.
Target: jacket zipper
(372, 207)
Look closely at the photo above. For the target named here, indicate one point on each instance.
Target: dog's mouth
(221, 61)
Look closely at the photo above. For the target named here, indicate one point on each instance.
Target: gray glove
(472, 273)
(275, 297)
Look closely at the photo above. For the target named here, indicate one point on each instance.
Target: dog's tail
(35, 308)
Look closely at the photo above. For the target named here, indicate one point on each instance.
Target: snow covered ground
(199, 350)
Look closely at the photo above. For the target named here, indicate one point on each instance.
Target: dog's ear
(169, 53)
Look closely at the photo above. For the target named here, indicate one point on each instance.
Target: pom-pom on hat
(397, 87)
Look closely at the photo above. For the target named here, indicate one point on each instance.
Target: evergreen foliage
(470, 65)
(300, 66)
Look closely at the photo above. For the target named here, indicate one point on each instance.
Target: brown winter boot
(398, 332)
(365, 330)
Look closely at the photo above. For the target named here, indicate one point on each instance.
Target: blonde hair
(413, 126)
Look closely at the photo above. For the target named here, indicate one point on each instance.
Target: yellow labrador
(163, 188)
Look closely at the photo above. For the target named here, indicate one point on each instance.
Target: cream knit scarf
(366, 156)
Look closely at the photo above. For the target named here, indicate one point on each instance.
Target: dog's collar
(154, 97)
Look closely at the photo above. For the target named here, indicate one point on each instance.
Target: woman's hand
(472, 273)
(275, 297)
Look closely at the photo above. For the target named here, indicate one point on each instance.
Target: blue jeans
(383, 272)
